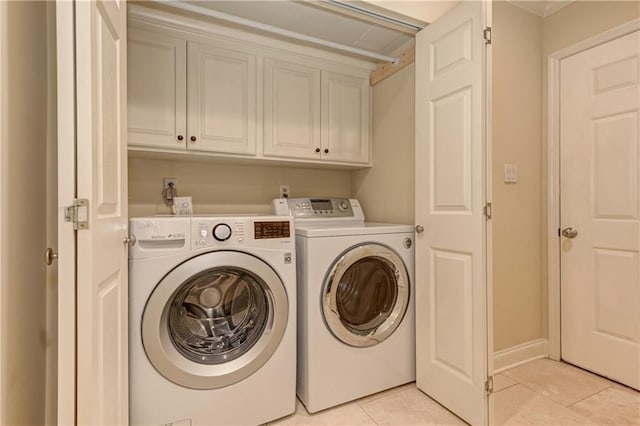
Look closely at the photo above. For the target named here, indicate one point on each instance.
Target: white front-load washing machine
(356, 331)
(212, 305)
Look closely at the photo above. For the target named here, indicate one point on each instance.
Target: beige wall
(23, 123)
(221, 188)
(386, 191)
(522, 42)
(517, 139)
(570, 25)
(584, 19)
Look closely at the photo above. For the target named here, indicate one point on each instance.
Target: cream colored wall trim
(3, 137)
(384, 71)
(520, 354)
(553, 152)
(66, 99)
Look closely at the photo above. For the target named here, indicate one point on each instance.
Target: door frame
(66, 114)
(554, 350)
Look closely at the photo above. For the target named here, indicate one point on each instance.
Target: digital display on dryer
(264, 230)
(321, 205)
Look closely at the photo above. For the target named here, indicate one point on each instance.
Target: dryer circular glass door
(365, 295)
(215, 319)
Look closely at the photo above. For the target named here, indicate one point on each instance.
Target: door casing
(553, 162)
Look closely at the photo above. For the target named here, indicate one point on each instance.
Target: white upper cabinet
(221, 100)
(345, 118)
(205, 104)
(291, 110)
(157, 90)
(219, 94)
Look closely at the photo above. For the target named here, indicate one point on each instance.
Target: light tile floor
(541, 392)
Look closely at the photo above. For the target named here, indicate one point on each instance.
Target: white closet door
(221, 93)
(157, 90)
(291, 110)
(600, 198)
(451, 285)
(345, 118)
(102, 274)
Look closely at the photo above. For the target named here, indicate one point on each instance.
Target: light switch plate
(510, 173)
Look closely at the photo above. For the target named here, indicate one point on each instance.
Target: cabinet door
(156, 90)
(345, 118)
(222, 100)
(291, 110)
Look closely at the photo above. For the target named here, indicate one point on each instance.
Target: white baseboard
(519, 354)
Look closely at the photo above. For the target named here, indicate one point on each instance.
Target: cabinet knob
(317, 149)
(326, 150)
(193, 138)
(180, 138)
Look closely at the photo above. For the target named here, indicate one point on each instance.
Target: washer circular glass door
(365, 295)
(215, 319)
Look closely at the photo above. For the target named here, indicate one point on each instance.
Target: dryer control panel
(319, 208)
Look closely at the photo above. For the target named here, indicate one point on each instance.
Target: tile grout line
(609, 385)
(587, 397)
(366, 412)
(510, 386)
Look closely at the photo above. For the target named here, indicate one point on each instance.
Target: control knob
(221, 232)
(343, 205)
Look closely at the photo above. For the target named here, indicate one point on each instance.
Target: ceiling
(316, 20)
(542, 8)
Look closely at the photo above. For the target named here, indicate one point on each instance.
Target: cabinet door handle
(326, 150)
(180, 138)
(193, 138)
(317, 149)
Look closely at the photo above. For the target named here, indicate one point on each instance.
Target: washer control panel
(318, 207)
(241, 231)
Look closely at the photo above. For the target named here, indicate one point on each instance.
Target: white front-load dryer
(356, 315)
(212, 320)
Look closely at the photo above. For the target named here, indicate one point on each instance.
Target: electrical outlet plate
(284, 191)
(167, 181)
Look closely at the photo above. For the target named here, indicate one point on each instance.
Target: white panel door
(345, 118)
(600, 196)
(157, 90)
(291, 110)
(102, 276)
(221, 93)
(451, 286)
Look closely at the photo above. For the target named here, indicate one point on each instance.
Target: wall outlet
(167, 181)
(284, 191)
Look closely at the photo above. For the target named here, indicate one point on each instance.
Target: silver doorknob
(570, 232)
(50, 256)
(130, 241)
(419, 229)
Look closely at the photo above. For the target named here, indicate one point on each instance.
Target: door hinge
(488, 211)
(488, 385)
(487, 35)
(78, 213)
